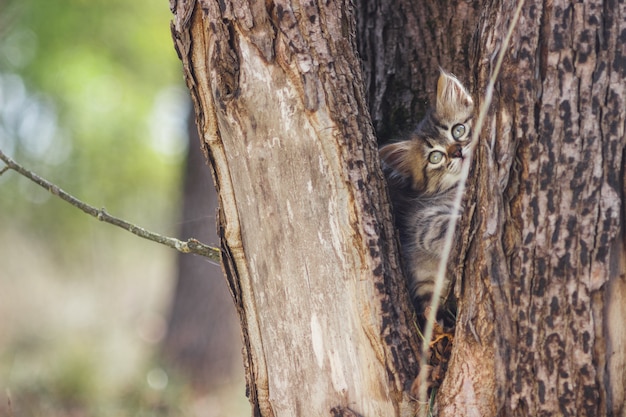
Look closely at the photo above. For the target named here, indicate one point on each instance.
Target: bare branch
(189, 246)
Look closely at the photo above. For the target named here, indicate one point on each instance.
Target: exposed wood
(280, 103)
(279, 100)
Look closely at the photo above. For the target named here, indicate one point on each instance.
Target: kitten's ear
(452, 98)
(404, 161)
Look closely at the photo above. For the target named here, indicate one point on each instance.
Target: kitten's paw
(439, 350)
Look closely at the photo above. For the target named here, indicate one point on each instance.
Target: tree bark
(558, 109)
(543, 278)
(402, 44)
(307, 237)
(308, 245)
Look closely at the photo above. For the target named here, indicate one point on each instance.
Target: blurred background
(95, 321)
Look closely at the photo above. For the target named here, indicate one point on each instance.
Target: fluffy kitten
(423, 172)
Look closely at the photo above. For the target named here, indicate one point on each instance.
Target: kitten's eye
(458, 131)
(435, 157)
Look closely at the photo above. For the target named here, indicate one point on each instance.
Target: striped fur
(422, 173)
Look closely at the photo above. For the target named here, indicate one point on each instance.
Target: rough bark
(561, 91)
(541, 257)
(202, 341)
(543, 293)
(402, 45)
(306, 230)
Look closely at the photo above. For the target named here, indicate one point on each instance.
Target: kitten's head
(432, 157)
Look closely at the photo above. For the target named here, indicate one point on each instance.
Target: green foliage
(91, 97)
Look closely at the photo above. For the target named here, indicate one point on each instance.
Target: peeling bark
(306, 229)
(541, 282)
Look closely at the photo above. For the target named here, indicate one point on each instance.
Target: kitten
(423, 172)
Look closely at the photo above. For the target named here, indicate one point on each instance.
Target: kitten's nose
(455, 151)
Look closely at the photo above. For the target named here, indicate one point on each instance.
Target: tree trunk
(307, 235)
(202, 341)
(307, 239)
(543, 292)
(402, 44)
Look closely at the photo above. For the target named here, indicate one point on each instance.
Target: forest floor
(80, 331)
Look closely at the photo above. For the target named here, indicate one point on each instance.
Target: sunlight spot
(102, 95)
(29, 122)
(37, 127)
(168, 121)
(19, 48)
(157, 379)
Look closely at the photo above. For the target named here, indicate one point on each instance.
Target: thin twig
(189, 246)
(476, 130)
